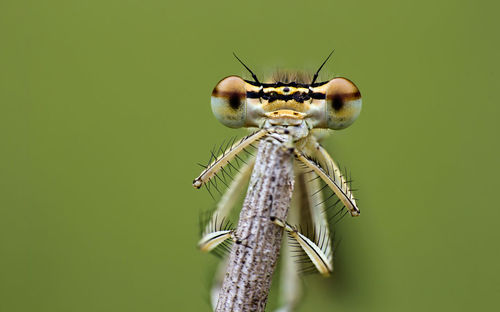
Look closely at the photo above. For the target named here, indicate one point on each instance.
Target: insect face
(334, 104)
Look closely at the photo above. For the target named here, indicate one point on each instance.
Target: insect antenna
(251, 72)
(319, 69)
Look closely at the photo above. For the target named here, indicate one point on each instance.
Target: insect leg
(324, 157)
(217, 230)
(319, 218)
(316, 254)
(230, 153)
(332, 176)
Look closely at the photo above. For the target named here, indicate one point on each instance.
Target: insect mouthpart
(285, 117)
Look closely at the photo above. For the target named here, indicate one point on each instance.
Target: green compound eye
(229, 102)
(343, 103)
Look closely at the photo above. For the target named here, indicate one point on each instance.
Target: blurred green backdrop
(104, 113)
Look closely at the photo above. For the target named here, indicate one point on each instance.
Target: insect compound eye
(343, 103)
(229, 101)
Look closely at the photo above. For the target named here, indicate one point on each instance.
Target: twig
(253, 259)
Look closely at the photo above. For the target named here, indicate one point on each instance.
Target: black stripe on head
(296, 96)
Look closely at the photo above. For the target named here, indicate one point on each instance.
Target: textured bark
(252, 263)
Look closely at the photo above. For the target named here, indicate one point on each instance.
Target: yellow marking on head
(251, 88)
(291, 105)
(286, 113)
(281, 90)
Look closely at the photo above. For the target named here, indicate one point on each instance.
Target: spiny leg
(313, 250)
(224, 159)
(234, 191)
(319, 217)
(332, 176)
(324, 157)
(215, 231)
(220, 231)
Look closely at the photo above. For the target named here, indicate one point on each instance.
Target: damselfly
(303, 111)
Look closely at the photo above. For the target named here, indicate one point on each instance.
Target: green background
(104, 113)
